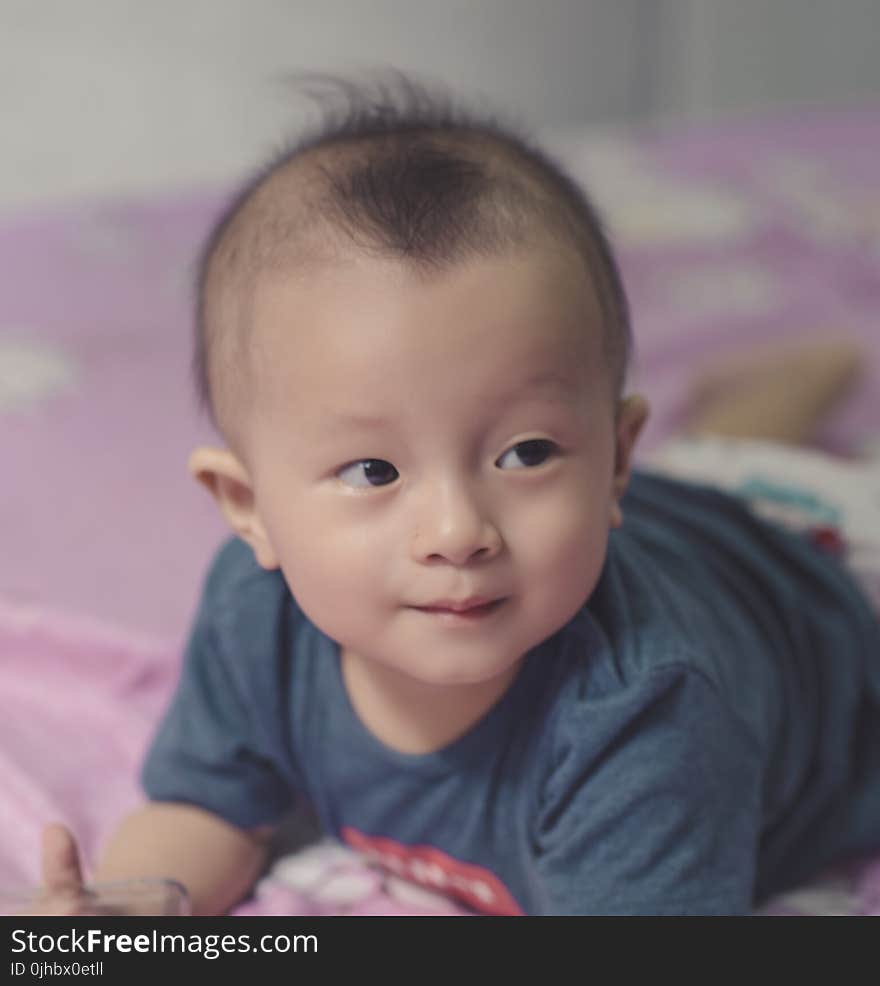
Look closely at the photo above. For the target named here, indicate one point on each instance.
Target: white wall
(110, 95)
(721, 56)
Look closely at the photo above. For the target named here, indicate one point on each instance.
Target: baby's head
(398, 175)
(413, 338)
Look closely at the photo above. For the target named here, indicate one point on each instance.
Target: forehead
(363, 327)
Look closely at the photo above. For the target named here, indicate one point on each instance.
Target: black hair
(397, 168)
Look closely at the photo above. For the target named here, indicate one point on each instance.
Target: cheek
(323, 559)
(319, 555)
(560, 545)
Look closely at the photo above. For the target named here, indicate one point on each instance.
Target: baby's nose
(455, 528)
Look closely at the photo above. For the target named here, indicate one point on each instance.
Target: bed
(729, 233)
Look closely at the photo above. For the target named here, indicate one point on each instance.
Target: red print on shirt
(474, 886)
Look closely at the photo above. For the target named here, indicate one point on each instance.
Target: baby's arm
(216, 862)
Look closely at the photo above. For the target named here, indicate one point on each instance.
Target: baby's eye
(531, 453)
(368, 472)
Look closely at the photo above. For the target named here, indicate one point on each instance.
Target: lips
(458, 606)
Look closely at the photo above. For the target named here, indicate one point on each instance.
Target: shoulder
(664, 743)
(222, 743)
(233, 569)
(675, 697)
(686, 518)
(648, 486)
(236, 585)
(692, 578)
(640, 689)
(245, 611)
(652, 802)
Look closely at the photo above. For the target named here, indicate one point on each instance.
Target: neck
(410, 716)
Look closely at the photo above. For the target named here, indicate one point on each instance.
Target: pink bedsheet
(732, 234)
(79, 700)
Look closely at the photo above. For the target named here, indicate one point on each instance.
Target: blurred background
(101, 96)
(734, 148)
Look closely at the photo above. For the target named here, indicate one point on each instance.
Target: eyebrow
(538, 381)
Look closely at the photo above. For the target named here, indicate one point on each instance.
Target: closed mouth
(469, 611)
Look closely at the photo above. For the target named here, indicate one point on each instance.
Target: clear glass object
(144, 896)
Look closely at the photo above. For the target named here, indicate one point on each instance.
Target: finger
(62, 870)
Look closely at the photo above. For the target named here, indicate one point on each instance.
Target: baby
(453, 619)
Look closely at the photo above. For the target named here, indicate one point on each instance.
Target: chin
(463, 677)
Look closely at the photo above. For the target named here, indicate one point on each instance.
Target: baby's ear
(632, 414)
(221, 473)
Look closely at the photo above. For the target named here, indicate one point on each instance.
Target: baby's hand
(63, 891)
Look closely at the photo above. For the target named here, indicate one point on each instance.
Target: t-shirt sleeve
(654, 805)
(214, 746)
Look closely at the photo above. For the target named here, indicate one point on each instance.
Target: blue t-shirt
(703, 733)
